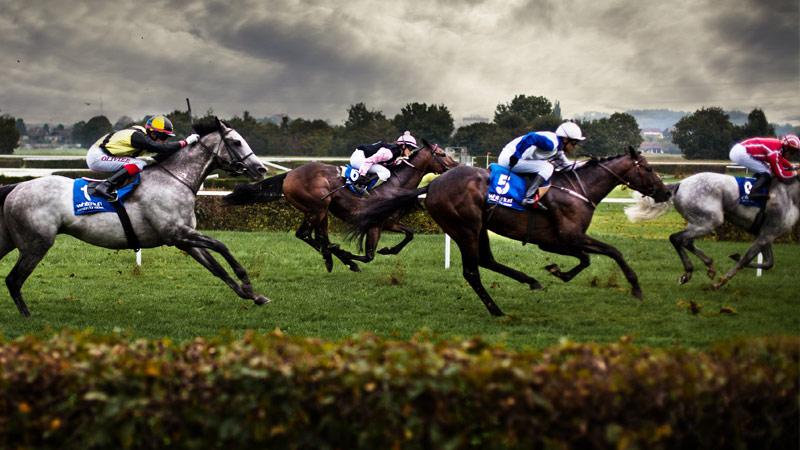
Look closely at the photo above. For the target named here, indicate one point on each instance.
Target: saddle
(506, 188)
(84, 201)
(358, 184)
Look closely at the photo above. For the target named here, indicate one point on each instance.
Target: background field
(79, 286)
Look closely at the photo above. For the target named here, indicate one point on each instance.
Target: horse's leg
(202, 256)
(397, 228)
(191, 238)
(470, 253)
(583, 261)
(762, 244)
(29, 258)
(486, 259)
(328, 249)
(711, 271)
(768, 259)
(591, 245)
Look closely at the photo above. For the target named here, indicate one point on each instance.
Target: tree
(434, 123)
(9, 135)
(522, 110)
(756, 126)
(20, 125)
(123, 122)
(358, 116)
(706, 133)
(86, 133)
(482, 138)
(611, 135)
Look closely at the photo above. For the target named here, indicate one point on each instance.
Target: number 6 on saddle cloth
(85, 202)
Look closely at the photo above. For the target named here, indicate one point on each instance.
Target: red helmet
(791, 141)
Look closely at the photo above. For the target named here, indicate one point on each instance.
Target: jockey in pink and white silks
(766, 157)
(368, 158)
(539, 153)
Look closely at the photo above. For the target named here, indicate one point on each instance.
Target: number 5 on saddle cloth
(85, 202)
(507, 188)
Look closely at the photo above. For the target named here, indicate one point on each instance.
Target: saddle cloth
(506, 188)
(350, 175)
(745, 184)
(84, 203)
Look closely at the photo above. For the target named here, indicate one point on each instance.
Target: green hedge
(213, 214)
(79, 390)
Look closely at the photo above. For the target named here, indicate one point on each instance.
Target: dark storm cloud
(314, 58)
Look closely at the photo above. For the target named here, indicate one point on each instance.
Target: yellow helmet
(159, 125)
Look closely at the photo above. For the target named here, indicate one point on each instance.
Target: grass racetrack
(81, 286)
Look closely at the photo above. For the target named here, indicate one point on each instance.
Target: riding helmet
(407, 139)
(570, 130)
(160, 126)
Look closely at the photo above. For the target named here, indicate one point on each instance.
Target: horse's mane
(205, 126)
(595, 160)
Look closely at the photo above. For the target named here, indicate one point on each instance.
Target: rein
(626, 183)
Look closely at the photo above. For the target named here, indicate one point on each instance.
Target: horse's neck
(595, 182)
(407, 177)
(190, 165)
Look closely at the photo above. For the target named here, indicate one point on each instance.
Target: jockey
(366, 158)
(538, 153)
(118, 152)
(766, 157)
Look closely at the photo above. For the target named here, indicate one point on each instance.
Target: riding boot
(763, 180)
(530, 194)
(108, 188)
(362, 183)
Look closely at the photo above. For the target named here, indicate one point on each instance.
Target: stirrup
(111, 196)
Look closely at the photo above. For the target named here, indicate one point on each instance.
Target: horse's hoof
(385, 251)
(637, 293)
(355, 268)
(683, 279)
(552, 268)
(535, 285)
(711, 273)
(736, 257)
(719, 283)
(329, 264)
(261, 300)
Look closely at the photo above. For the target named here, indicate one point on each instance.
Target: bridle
(235, 164)
(639, 168)
(436, 153)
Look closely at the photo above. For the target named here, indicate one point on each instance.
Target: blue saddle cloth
(506, 188)
(745, 184)
(351, 175)
(83, 203)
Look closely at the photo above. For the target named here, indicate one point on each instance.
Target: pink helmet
(791, 141)
(407, 139)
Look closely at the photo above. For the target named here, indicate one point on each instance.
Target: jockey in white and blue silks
(540, 153)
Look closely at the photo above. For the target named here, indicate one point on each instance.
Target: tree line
(706, 133)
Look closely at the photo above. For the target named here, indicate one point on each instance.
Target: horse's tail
(4, 191)
(646, 208)
(264, 191)
(376, 213)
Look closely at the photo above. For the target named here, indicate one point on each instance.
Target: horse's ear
(633, 152)
(220, 125)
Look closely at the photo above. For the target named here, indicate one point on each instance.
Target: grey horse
(706, 200)
(161, 210)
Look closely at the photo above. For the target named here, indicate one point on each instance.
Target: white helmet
(570, 130)
(407, 139)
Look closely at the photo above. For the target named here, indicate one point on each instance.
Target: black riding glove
(512, 161)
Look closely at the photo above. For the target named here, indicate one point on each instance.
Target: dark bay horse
(707, 200)
(457, 202)
(161, 210)
(316, 188)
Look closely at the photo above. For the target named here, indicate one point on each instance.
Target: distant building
(651, 147)
(652, 133)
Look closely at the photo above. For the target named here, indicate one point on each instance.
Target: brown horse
(457, 202)
(316, 188)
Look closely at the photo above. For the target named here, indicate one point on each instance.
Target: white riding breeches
(740, 156)
(100, 161)
(357, 159)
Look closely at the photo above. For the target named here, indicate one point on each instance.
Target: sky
(64, 61)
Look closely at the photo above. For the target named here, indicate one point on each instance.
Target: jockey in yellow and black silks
(118, 151)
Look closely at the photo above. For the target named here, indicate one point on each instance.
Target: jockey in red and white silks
(765, 155)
